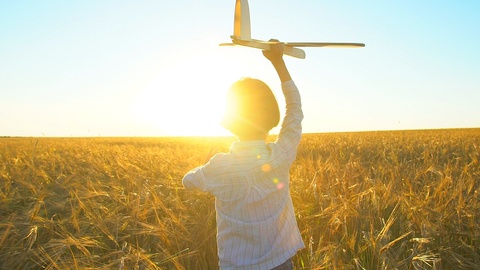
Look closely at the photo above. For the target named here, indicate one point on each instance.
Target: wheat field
(365, 200)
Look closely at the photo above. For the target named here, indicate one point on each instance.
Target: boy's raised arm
(291, 130)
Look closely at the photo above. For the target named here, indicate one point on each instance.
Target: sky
(154, 68)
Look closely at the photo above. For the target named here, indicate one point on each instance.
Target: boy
(256, 226)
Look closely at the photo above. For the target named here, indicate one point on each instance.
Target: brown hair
(252, 109)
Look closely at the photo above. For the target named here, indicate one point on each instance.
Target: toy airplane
(241, 36)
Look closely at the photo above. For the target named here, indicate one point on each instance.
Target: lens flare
(266, 168)
(280, 186)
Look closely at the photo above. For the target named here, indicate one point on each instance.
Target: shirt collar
(246, 145)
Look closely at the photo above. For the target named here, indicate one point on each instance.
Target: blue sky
(153, 68)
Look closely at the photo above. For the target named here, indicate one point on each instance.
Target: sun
(188, 96)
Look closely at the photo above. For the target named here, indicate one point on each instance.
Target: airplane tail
(241, 25)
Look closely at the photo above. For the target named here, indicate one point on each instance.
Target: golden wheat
(371, 200)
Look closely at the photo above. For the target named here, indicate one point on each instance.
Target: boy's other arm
(198, 178)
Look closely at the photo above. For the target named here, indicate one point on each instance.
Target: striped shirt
(256, 225)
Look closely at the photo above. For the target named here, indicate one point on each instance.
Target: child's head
(252, 109)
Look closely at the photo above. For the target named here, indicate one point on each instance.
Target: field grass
(371, 200)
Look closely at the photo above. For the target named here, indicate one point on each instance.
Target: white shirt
(256, 225)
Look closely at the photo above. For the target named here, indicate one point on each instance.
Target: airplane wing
(290, 47)
(265, 45)
(325, 44)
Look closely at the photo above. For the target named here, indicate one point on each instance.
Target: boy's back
(256, 226)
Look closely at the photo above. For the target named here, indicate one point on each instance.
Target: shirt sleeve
(291, 129)
(195, 179)
(201, 177)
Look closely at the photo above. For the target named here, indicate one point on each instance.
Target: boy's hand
(275, 55)
(276, 51)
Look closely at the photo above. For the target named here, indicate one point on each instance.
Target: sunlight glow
(188, 96)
